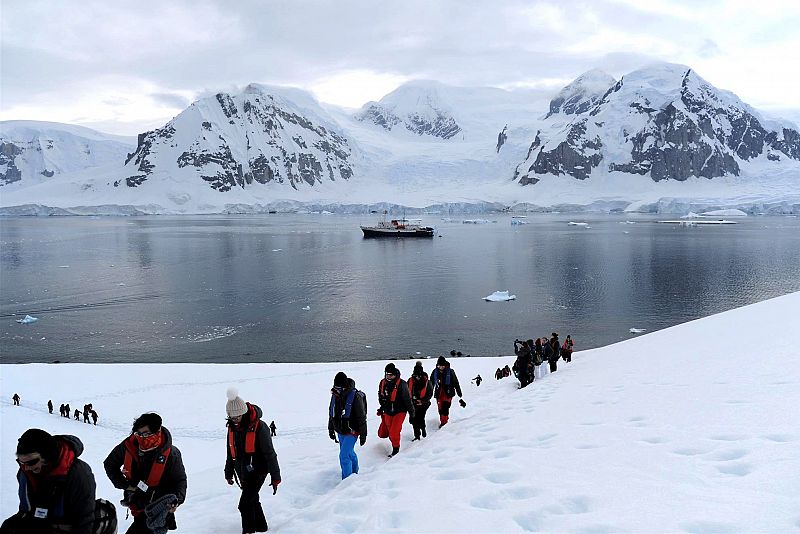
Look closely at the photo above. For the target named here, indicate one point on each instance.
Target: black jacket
(439, 380)
(402, 401)
(172, 481)
(416, 388)
(263, 460)
(69, 498)
(357, 423)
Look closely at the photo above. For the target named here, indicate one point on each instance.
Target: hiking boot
(416, 438)
(395, 450)
(424, 434)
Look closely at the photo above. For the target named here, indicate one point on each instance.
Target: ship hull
(370, 232)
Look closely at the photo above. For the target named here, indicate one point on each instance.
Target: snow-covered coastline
(677, 430)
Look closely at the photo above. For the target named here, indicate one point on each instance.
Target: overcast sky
(125, 67)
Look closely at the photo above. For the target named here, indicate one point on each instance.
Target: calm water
(233, 289)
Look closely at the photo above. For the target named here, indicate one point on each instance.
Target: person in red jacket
(395, 403)
(56, 488)
(251, 457)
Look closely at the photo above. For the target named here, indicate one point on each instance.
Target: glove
(332, 435)
(362, 439)
(274, 483)
(379, 412)
(462, 403)
(230, 481)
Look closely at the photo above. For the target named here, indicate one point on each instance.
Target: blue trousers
(347, 456)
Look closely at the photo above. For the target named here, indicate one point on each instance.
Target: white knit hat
(236, 406)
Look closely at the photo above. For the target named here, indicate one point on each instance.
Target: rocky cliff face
(259, 136)
(33, 152)
(665, 122)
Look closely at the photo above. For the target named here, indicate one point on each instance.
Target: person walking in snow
(273, 429)
(524, 362)
(15, 398)
(149, 469)
(50, 406)
(56, 488)
(421, 392)
(498, 374)
(446, 386)
(347, 417)
(566, 349)
(94, 417)
(395, 402)
(67, 411)
(77, 414)
(87, 408)
(251, 457)
(554, 352)
(477, 380)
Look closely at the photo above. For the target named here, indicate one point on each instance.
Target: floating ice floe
(637, 330)
(723, 213)
(499, 296)
(572, 223)
(690, 215)
(475, 221)
(276, 249)
(306, 308)
(27, 320)
(518, 220)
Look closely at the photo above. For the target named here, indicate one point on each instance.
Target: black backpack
(105, 517)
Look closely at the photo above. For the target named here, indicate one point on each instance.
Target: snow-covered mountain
(261, 135)
(31, 152)
(649, 142)
(663, 121)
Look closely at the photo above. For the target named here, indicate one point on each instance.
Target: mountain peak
(580, 95)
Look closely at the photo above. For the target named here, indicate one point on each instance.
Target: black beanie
(390, 368)
(340, 380)
(441, 361)
(418, 369)
(36, 440)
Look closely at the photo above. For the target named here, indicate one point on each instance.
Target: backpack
(105, 517)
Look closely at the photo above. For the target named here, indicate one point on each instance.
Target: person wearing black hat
(555, 349)
(395, 403)
(146, 466)
(446, 386)
(421, 393)
(251, 457)
(347, 417)
(56, 488)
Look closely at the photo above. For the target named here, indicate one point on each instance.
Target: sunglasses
(144, 434)
(337, 389)
(29, 463)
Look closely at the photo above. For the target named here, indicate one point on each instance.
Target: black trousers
(418, 421)
(139, 525)
(553, 365)
(253, 519)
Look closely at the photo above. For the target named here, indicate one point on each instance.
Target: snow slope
(640, 436)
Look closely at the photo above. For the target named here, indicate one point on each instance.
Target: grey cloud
(171, 99)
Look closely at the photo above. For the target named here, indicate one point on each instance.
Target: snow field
(688, 429)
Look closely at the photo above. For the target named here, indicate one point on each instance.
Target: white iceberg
(690, 215)
(475, 221)
(637, 330)
(724, 213)
(27, 320)
(572, 223)
(499, 296)
(306, 308)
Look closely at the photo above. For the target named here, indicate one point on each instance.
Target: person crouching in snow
(421, 392)
(250, 458)
(446, 386)
(395, 402)
(347, 417)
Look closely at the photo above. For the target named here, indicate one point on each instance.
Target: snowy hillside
(32, 152)
(659, 139)
(633, 437)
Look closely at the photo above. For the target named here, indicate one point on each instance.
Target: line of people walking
(88, 411)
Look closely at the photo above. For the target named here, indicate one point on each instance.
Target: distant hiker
(15, 398)
(347, 417)
(506, 371)
(56, 488)
(498, 374)
(50, 406)
(554, 352)
(421, 391)
(446, 386)
(87, 408)
(395, 401)
(77, 414)
(67, 411)
(538, 358)
(250, 458)
(273, 429)
(94, 417)
(477, 380)
(61, 410)
(566, 349)
(524, 363)
(147, 467)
